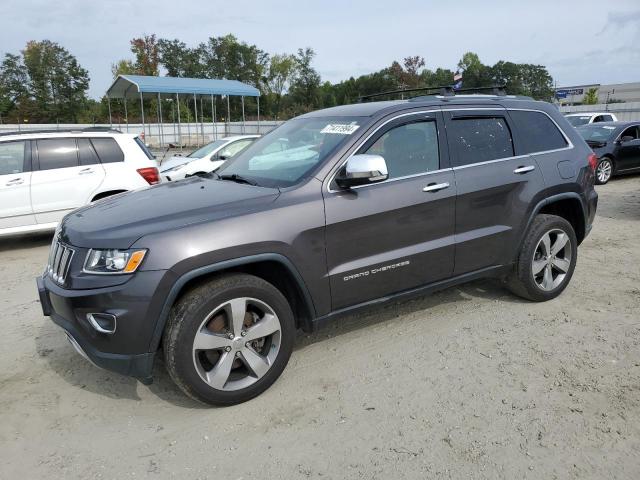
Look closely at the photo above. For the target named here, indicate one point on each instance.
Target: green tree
(305, 87)
(123, 67)
(180, 60)
(282, 70)
(14, 87)
(591, 97)
(57, 83)
(145, 49)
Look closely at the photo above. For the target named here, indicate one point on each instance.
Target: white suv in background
(44, 175)
(585, 118)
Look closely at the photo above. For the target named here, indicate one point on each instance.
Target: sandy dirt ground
(469, 383)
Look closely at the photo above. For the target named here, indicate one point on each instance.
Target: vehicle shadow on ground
(52, 345)
(75, 370)
(627, 206)
(25, 241)
(486, 289)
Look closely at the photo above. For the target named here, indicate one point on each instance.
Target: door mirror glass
(626, 138)
(362, 170)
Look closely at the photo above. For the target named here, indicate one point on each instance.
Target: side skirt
(498, 271)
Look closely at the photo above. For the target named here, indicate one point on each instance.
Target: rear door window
(108, 150)
(631, 132)
(480, 139)
(57, 153)
(536, 132)
(87, 153)
(13, 157)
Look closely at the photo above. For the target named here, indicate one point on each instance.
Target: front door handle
(85, 171)
(435, 187)
(527, 169)
(15, 181)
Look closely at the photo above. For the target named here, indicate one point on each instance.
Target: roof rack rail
(444, 91)
(61, 130)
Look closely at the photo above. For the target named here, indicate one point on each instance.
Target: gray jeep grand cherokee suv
(335, 210)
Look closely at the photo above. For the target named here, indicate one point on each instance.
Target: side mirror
(362, 170)
(626, 138)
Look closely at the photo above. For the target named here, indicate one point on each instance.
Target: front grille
(59, 261)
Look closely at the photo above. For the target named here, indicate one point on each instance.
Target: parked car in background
(585, 118)
(334, 211)
(617, 145)
(44, 175)
(206, 159)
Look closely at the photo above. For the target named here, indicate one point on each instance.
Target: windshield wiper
(234, 177)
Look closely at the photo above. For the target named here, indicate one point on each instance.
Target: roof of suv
(375, 108)
(29, 135)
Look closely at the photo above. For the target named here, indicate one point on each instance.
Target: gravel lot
(468, 383)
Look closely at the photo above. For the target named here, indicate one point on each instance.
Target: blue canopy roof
(132, 85)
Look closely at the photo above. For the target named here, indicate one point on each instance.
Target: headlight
(113, 261)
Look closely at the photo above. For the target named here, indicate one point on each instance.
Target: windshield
(207, 149)
(578, 120)
(596, 133)
(289, 153)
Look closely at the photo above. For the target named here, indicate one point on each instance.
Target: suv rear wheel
(547, 259)
(229, 339)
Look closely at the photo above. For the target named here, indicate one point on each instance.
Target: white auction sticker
(340, 129)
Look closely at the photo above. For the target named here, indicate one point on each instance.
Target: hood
(118, 221)
(175, 161)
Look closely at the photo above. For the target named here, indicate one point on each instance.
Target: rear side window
(480, 139)
(145, 149)
(536, 132)
(57, 153)
(12, 157)
(108, 150)
(86, 152)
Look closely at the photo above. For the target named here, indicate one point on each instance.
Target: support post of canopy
(126, 114)
(109, 103)
(195, 110)
(202, 120)
(213, 118)
(242, 101)
(228, 116)
(258, 100)
(161, 140)
(142, 110)
(179, 126)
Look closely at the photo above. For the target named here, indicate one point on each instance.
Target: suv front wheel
(547, 259)
(229, 339)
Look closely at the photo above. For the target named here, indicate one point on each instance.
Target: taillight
(593, 161)
(150, 174)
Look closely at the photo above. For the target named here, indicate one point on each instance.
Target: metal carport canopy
(125, 86)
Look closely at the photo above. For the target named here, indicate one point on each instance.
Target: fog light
(102, 322)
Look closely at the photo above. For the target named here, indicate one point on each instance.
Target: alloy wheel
(552, 259)
(603, 172)
(236, 344)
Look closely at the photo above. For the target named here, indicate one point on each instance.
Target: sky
(580, 42)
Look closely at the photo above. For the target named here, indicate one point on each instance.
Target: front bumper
(127, 350)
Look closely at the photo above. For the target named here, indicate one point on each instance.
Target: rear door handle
(15, 181)
(521, 170)
(85, 171)
(434, 187)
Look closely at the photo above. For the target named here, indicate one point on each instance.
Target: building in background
(613, 93)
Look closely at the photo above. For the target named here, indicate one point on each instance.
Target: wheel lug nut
(237, 354)
(231, 336)
(248, 344)
(227, 349)
(244, 333)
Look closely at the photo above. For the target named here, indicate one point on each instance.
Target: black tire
(186, 319)
(523, 282)
(605, 164)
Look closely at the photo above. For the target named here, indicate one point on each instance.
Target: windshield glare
(596, 133)
(289, 153)
(207, 149)
(578, 120)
